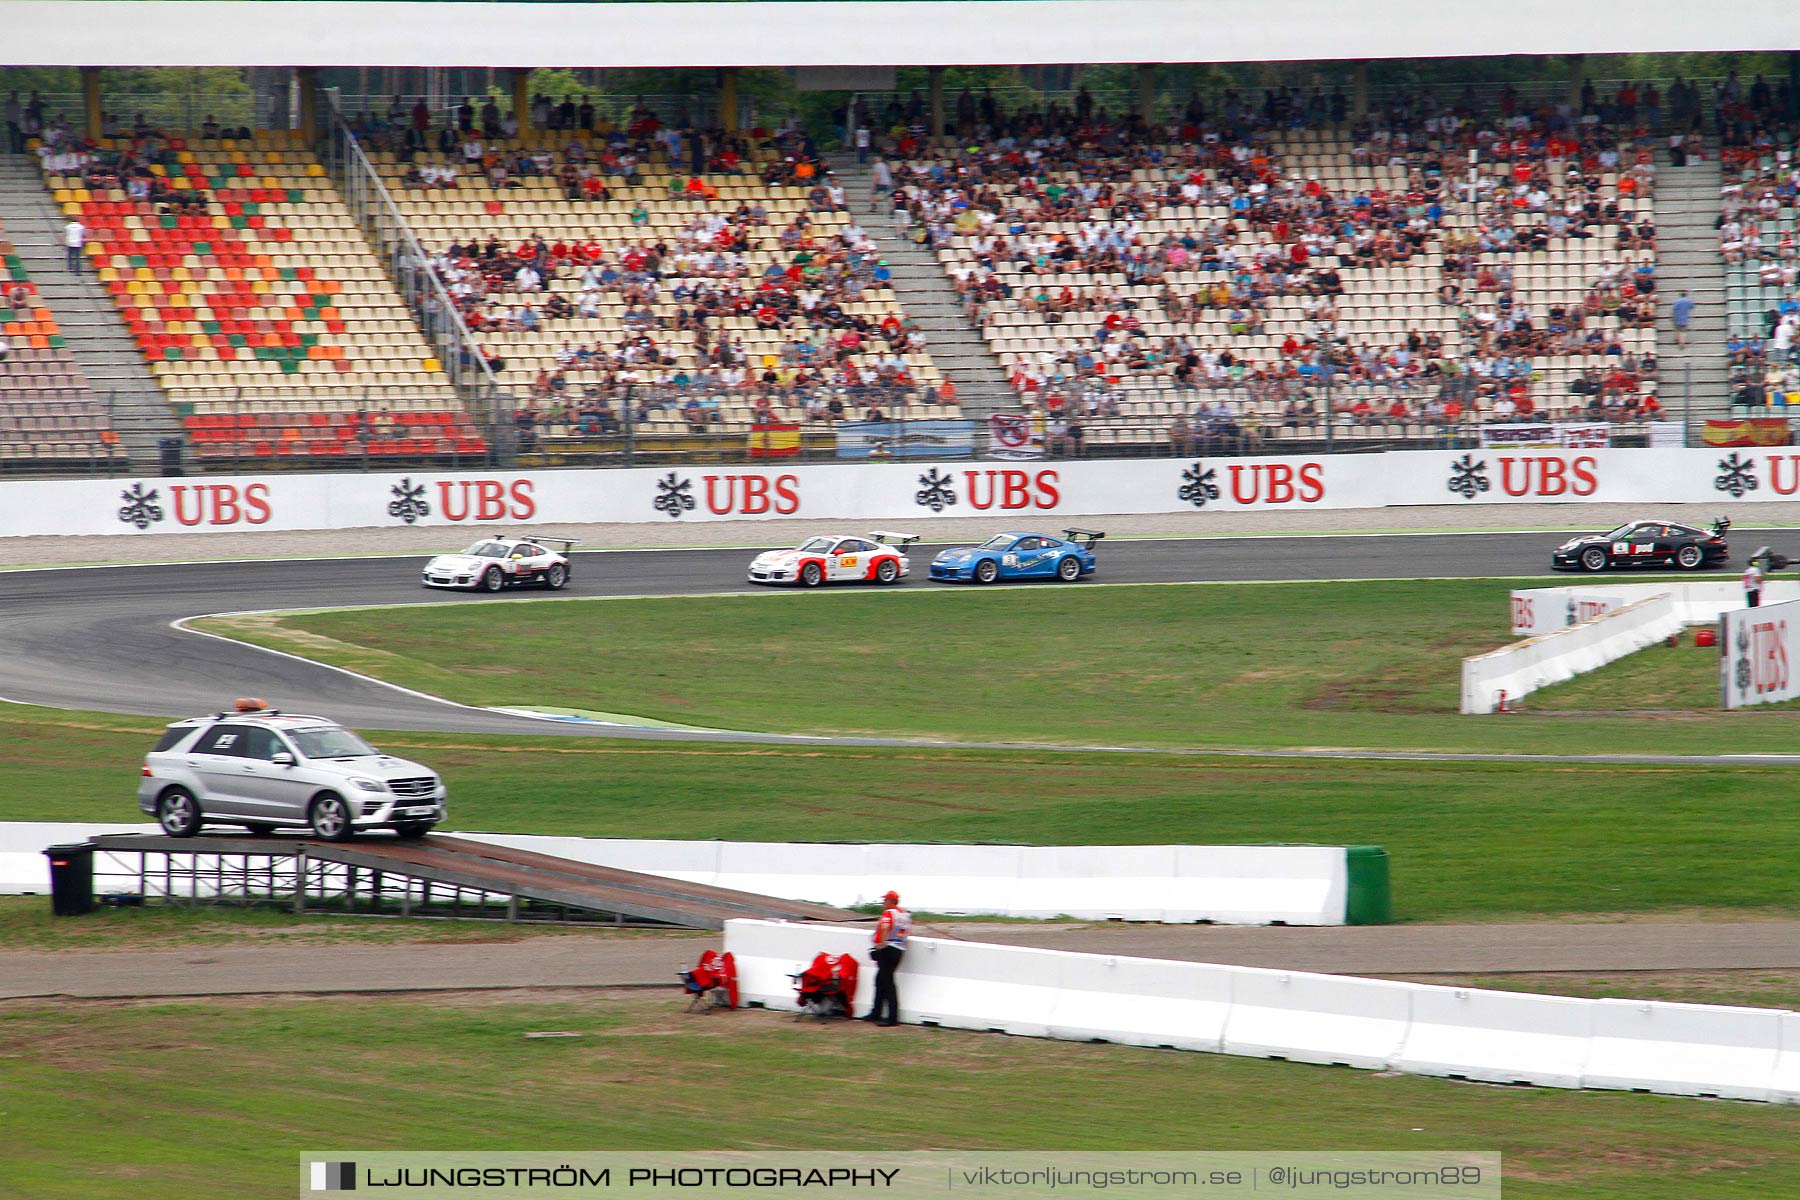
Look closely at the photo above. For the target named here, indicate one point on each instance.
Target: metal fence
(373, 207)
(172, 112)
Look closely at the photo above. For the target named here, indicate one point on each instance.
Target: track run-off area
(113, 638)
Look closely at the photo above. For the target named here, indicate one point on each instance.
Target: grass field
(208, 1099)
(1192, 665)
(1469, 841)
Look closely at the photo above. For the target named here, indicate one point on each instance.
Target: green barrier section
(1370, 901)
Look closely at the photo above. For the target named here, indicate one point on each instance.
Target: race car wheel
(330, 818)
(986, 571)
(1688, 558)
(178, 813)
(1069, 570)
(556, 576)
(1593, 559)
(812, 575)
(492, 580)
(888, 571)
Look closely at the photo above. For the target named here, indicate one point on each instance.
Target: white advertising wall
(1758, 654)
(894, 491)
(1375, 1024)
(1523, 667)
(1538, 611)
(1230, 885)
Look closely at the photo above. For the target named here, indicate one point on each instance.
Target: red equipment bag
(828, 986)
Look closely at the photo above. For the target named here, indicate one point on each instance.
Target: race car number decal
(1621, 547)
(1010, 560)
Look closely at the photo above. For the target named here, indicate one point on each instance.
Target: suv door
(266, 788)
(219, 769)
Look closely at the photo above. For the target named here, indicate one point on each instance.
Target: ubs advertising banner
(895, 491)
(1757, 655)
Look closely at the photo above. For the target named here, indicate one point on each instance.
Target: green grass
(1469, 841)
(216, 1099)
(1225, 666)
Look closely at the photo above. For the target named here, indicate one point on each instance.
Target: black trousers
(887, 994)
(1753, 599)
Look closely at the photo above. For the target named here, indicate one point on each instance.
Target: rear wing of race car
(1087, 537)
(565, 543)
(890, 538)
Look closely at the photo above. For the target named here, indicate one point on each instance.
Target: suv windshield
(330, 743)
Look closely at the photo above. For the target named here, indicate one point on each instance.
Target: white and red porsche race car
(494, 564)
(877, 558)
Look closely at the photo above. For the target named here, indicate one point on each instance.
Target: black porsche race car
(1646, 544)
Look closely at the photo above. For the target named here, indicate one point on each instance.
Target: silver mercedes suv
(264, 769)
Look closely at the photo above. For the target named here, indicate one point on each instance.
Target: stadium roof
(784, 33)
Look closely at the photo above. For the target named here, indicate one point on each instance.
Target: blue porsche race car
(1020, 556)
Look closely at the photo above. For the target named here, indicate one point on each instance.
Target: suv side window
(257, 742)
(171, 737)
(221, 739)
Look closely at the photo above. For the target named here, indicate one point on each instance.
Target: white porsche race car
(878, 558)
(494, 564)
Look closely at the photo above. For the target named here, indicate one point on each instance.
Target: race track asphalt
(105, 638)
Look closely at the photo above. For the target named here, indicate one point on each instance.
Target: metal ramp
(434, 876)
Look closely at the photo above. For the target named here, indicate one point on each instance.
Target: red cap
(892, 897)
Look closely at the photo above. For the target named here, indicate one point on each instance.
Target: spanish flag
(778, 439)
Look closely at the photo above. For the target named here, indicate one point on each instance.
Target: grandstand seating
(48, 413)
(262, 311)
(1382, 302)
(533, 205)
(1759, 229)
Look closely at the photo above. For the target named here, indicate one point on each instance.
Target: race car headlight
(370, 785)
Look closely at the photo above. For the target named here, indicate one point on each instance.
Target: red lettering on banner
(787, 494)
(748, 495)
(1273, 483)
(1522, 618)
(1013, 489)
(488, 495)
(1549, 476)
(448, 488)
(178, 493)
(485, 500)
(220, 503)
(1769, 656)
(1312, 483)
(256, 503)
(1792, 484)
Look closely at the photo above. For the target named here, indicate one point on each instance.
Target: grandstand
(50, 417)
(258, 305)
(1150, 271)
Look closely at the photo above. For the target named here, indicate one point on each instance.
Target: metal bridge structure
(435, 876)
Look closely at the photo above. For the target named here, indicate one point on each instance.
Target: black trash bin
(170, 449)
(71, 879)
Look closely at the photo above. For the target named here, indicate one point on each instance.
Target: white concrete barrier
(1523, 667)
(1141, 1002)
(1235, 885)
(1467, 1033)
(1497, 1037)
(1538, 611)
(1331, 1019)
(1684, 1049)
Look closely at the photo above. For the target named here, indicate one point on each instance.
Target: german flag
(778, 439)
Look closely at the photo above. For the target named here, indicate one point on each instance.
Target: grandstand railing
(172, 111)
(371, 204)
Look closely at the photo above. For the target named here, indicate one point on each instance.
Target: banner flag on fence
(776, 439)
(1746, 431)
(1546, 437)
(1015, 436)
(944, 438)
